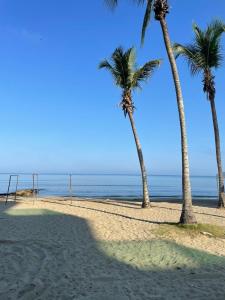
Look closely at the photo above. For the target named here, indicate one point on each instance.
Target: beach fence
(36, 186)
(68, 186)
(9, 185)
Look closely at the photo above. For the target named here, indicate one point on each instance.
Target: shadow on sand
(128, 205)
(48, 255)
(137, 205)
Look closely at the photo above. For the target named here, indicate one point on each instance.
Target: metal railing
(31, 187)
(59, 186)
(10, 180)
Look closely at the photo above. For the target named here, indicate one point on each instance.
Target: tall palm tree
(204, 55)
(128, 77)
(161, 9)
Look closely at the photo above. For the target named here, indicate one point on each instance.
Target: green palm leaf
(111, 3)
(122, 66)
(149, 7)
(189, 52)
(205, 51)
(146, 71)
(146, 20)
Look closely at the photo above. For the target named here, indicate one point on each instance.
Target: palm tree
(128, 77)
(204, 55)
(161, 9)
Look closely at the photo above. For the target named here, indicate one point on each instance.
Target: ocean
(110, 186)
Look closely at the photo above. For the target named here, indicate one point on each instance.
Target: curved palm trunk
(187, 215)
(146, 201)
(221, 202)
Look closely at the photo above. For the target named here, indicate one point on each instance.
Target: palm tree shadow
(109, 212)
(132, 205)
(201, 201)
(48, 255)
(196, 202)
(119, 203)
(127, 216)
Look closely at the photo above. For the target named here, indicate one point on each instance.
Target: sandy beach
(106, 249)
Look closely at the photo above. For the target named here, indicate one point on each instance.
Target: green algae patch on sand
(160, 254)
(30, 212)
(209, 230)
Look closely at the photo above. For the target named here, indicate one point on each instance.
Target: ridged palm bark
(221, 203)
(127, 102)
(209, 88)
(128, 77)
(202, 56)
(161, 9)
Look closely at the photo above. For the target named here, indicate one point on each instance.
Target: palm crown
(160, 8)
(204, 54)
(205, 51)
(127, 75)
(124, 69)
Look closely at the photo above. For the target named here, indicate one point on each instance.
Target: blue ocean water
(114, 186)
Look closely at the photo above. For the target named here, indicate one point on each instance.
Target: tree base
(145, 205)
(221, 206)
(221, 203)
(187, 217)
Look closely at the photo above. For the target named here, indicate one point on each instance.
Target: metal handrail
(10, 179)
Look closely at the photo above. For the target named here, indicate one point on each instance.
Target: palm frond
(131, 61)
(199, 34)
(190, 53)
(213, 36)
(114, 3)
(215, 29)
(122, 66)
(105, 64)
(111, 3)
(119, 59)
(205, 51)
(139, 2)
(146, 20)
(149, 6)
(145, 72)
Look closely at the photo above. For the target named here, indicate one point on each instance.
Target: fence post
(17, 179)
(70, 189)
(10, 180)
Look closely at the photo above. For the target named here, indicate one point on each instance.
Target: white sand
(96, 250)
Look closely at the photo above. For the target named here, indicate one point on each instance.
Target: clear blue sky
(59, 113)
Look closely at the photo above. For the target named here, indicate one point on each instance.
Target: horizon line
(97, 174)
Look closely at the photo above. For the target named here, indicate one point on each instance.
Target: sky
(59, 113)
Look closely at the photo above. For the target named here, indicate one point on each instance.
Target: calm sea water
(105, 186)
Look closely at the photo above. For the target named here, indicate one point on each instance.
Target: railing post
(17, 179)
(10, 180)
(70, 189)
(7, 195)
(35, 175)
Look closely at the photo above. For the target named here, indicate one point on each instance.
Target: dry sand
(107, 250)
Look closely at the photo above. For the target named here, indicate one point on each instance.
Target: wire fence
(37, 186)
(68, 186)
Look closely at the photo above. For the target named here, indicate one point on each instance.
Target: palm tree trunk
(187, 215)
(221, 202)
(146, 201)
